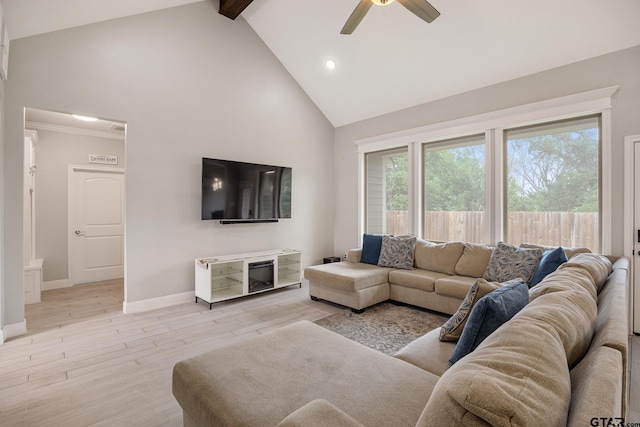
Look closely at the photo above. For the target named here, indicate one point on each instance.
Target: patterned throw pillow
(452, 329)
(509, 262)
(397, 252)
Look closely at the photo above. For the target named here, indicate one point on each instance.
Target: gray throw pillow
(508, 262)
(397, 252)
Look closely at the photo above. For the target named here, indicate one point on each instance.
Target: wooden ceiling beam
(232, 8)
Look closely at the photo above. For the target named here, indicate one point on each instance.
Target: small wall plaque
(102, 159)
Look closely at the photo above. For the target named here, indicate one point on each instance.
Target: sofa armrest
(319, 413)
(354, 255)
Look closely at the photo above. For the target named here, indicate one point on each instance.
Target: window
(553, 184)
(537, 173)
(387, 192)
(454, 190)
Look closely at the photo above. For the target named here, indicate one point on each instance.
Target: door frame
(629, 230)
(70, 204)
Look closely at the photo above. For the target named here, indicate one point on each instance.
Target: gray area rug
(384, 327)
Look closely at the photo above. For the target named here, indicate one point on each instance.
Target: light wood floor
(85, 363)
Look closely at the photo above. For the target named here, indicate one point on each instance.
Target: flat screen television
(245, 192)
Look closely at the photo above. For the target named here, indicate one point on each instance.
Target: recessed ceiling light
(84, 118)
(330, 64)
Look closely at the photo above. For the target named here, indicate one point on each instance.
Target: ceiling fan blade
(358, 13)
(421, 8)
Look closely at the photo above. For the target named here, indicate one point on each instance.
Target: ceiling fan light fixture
(382, 2)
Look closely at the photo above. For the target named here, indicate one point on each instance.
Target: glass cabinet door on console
(289, 269)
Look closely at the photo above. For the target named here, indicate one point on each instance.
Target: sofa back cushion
(567, 277)
(474, 260)
(439, 257)
(517, 376)
(572, 312)
(598, 266)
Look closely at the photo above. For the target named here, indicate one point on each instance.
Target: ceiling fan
(420, 8)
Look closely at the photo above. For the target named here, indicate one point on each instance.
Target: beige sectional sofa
(561, 360)
(442, 275)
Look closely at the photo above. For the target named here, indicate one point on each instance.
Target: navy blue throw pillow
(371, 245)
(550, 261)
(489, 313)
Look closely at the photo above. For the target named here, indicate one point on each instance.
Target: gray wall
(56, 151)
(189, 83)
(618, 68)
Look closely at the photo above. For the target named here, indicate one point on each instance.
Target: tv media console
(232, 276)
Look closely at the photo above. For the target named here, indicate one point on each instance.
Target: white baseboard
(13, 330)
(55, 284)
(159, 302)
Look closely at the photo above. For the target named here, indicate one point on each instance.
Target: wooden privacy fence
(568, 229)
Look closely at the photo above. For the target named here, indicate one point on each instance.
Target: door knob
(78, 232)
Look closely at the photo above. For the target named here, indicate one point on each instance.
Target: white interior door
(96, 225)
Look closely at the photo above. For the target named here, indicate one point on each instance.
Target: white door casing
(632, 226)
(96, 224)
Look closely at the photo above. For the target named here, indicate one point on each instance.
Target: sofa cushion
(565, 278)
(570, 310)
(508, 263)
(491, 312)
(598, 266)
(517, 377)
(440, 257)
(416, 278)
(452, 329)
(570, 252)
(454, 286)
(397, 252)
(428, 352)
(371, 245)
(347, 276)
(550, 261)
(474, 260)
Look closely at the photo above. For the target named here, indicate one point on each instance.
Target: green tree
(397, 176)
(454, 179)
(556, 172)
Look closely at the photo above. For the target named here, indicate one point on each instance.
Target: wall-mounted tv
(245, 192)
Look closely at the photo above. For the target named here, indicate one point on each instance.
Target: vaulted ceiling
(393, 60)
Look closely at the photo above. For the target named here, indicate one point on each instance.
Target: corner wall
(615, 69)
(189, 83)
